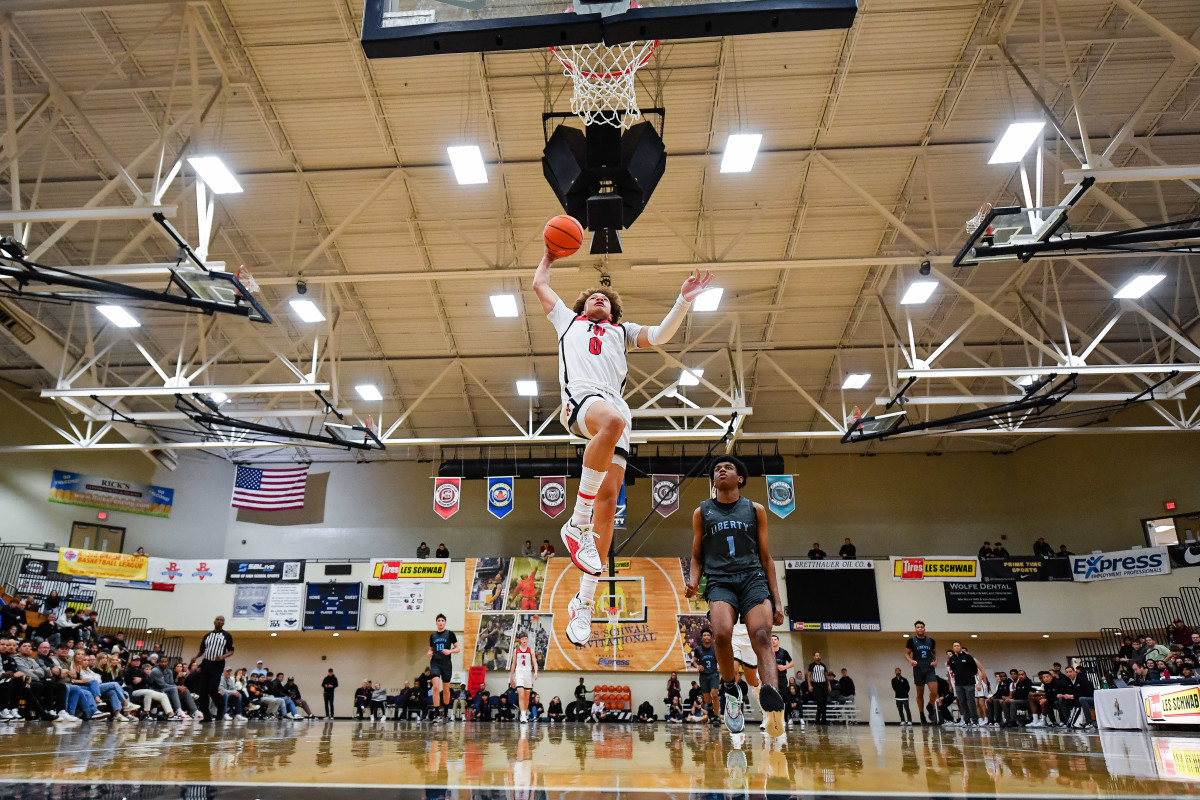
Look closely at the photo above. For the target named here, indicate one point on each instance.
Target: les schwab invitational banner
(655, 631)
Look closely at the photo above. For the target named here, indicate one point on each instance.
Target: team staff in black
(919, 649)
(730, 548)
(442, 644)
(328, 684)
(215, 647)
(901, 687)
(1075, 699)
(964, 668)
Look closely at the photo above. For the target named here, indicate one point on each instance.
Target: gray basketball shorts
(709, 681)
(743, 590)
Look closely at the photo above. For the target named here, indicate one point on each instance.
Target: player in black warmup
(729, 547)
(442, 644)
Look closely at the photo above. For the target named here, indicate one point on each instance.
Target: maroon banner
(665, 493)
(552, 495)
(446, 492)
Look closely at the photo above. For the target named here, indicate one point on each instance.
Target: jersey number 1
(594, 345)
(730, 540)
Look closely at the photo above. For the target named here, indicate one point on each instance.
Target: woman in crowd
(536, 709)
(793, 701)
(672, 687)
(90, 680)
(186, 701)
(555, 711)
(138, 681)
(233, 696)
(675, 712)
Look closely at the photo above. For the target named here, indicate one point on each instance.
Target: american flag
(269, 489)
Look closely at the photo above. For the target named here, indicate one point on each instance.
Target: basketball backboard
(1010, 233)
(876, 427)
(221, 289)
(404, 28)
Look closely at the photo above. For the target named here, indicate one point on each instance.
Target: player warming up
(730, 548)
(442, 645)
(592, 345)
(523, 672)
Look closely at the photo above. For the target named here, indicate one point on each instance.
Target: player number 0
(594, 345)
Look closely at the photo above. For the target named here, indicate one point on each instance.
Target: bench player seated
(592, 347)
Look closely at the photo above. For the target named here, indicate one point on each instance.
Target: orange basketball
(563, 236)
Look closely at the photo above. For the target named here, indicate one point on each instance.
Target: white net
(974, 222)
(603, 79)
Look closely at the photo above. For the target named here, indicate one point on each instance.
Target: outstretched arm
(662, 333)
(697, 556)
(541, 283)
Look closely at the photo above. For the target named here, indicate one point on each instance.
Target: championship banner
(77, 489)
(781, 495)
(1025, 568)
(177, 571)
(101, 564)
(446, 494)
(552, 495)
(1121, 564)
(935, 569)
(433, 570)
(271, 571)
(641, 623)
(982, 597)
(619, 516)
(1172, 705)
(1184, 555)
(500, 497)
(664, 490)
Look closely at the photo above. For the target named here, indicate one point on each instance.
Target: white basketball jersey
(524, 659)
(592, 352)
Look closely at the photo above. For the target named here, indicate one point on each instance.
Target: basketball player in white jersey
(522, 672)
(592, 344)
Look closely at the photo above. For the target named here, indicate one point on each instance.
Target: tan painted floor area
(619, 756)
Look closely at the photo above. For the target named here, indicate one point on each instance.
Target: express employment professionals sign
(1121, 564)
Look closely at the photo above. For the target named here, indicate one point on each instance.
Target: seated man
(846, 685)
(483, 706)
(1075, 699)
(504, 712)
(597, 711)
(1018, 697)
(995, 702)
(645, 712)
(699, 713)
(462, 699)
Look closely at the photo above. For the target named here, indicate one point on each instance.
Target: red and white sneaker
(581, 545)
(579, 620)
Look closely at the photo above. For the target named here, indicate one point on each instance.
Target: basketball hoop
(246, 279)
(974, 222)
(603, 80)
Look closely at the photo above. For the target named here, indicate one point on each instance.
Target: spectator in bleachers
(995, 701)
(793, 700)
(186, 681)
(546, 551)
(999, 551)
(846, 685)
(504, 711)
(536, 709)
(422, 550)
(259, 670)
(89, 679)
(13, 615)
(1063, 552)
(442, 551)
(699, 712)
(1020, 688)
(645, 712)
(483, 710)
(694, 693)
(378, 703)
(137, 679)
(275, 688)
(160, 682)
(986, 550)
(527, 550)
(47, 629)
(554, 712)
(293, 694)
(1042, 548)
(1179, 633)
(672, 688)
(675, 711)
(1155, 651)
(461, 699)
(232, 695)
(362, 698)
(848, 550)
(816, 554)
(41, 685)
(597, 711)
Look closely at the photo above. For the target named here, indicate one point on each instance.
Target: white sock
(590, 481)
(587, 586)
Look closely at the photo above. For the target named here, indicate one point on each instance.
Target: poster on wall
(635, 625)
(269, 571)
(90, 491)
(186, 570)
(250, 601)
(406, 596)
(982, 597)
(101, 564)
(1120, 564)
(285, 608)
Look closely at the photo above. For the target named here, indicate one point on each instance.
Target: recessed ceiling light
(467, 162)
(856, 380)
(740, 152)
(527, 388)
(1137, 286)
(335, 633)
(307, 310)
(215, 174)
(690, 377)
(504, 305)
(974, 635)
(918, 292)
(218, 397)
(274, 634)
(119, 316)
(709, 299)
(1016, 141)
(368, 391)
(1045, 636)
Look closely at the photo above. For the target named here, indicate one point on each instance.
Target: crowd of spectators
(1143, 659)
(1041, 549)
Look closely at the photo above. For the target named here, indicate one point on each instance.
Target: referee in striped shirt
(215, 647)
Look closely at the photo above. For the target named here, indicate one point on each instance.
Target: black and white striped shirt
(215, 645)
(818, 672)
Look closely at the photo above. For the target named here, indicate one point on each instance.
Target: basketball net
(974, 222)
(603, 79)
(246, 279)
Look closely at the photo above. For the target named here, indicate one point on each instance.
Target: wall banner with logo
(500, 496)
(1184, 555)
(781, 495)
(186, 570)
(1121, 564)
(1025, 568)
(250, 600)
(101, 564)
(435, 570)
(982, 597)
(935, 568)
(552, 494)
(447, 493)
(277, 571)
(77, 489)
(285, 608)
(665, 493)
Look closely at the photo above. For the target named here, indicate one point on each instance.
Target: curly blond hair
(614, 300)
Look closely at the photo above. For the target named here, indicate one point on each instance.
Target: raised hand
(695, 284)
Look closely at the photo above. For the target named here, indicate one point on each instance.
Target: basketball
(563, 236)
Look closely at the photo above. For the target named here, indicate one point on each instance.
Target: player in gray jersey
(730, 549)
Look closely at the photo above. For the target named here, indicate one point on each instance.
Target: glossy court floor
(260, 760)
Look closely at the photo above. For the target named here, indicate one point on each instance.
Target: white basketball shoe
(579, 624)
(580, 541)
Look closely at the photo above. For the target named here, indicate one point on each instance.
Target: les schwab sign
(1176, 705)
(935, 569)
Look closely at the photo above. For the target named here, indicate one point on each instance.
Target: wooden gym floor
(336, 759)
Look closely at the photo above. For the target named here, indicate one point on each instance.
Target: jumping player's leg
(758, 626)
(723, 617)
